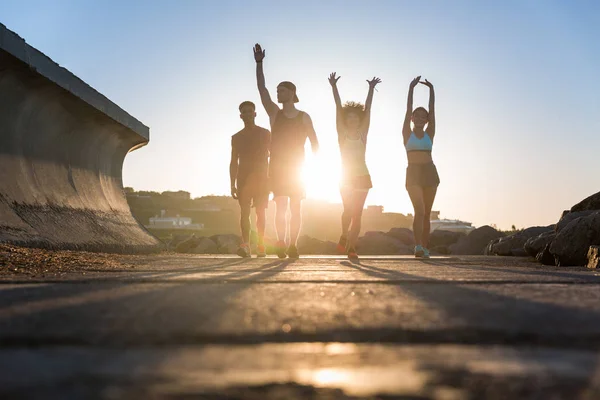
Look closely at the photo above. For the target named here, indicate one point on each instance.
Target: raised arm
(310, 133)
(431, 123)
(270, 107)
(367, 119)
(339, 117)
(409, 109)
(233, 169)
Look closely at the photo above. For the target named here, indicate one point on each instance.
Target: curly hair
(354, 108)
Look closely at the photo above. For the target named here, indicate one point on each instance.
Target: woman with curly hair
(352, 123)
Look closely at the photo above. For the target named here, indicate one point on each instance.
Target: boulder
(589, 203)
(188, 244)
(536, 244)
(309, 245)
(176, 239)
(441, 237)
(514, 244)
(568, 216)
(381, 243)
(571, 244)
(227, 244)
(440, 249)
(593, 256)
(476, 241)
(205, 246)
(544, 256)
(404, 235)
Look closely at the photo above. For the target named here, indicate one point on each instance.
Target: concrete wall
(62, 146)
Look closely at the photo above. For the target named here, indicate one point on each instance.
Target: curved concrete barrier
(62, 146)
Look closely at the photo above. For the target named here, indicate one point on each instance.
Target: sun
(321, 175)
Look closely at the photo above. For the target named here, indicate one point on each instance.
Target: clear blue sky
(518, 93)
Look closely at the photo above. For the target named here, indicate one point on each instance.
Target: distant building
(372, 210)
(177, 222)
(452, 225)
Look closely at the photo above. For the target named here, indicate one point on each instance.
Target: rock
(404, 235)
(205, 246)
(309, 245)
(545, 257)
(593, 256)
(188, 244)
(441, 237)
(381, 243)
(571, 244)
(227, 244)
(176, 239)
(590, 203)
(476, 241)
(440, 249)
(514, 244)
(568, 216)
(536, 244)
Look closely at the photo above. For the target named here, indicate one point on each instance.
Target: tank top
(353, 157)
(288, 136)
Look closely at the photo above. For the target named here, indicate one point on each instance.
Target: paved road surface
(316, 328)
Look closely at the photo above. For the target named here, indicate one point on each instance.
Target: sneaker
(341, 246)
(244, 251)
(352, 254)
(419, 251)
(260, 251)
(292, 252)
(280, 249)
(426, 253)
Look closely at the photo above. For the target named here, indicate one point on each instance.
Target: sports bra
(416, 144)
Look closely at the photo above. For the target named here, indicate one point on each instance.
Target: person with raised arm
(290, 128)
(422, 178)
(352, 124)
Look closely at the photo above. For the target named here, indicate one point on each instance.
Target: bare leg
(281, 204)
(245, 221)
(428, 198)
(347, 213)
(358, 204)
(261, 218)
(416, 197)
(296, 220)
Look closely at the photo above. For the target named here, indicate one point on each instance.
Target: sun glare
(321, 176)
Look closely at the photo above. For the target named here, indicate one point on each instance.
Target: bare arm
(367, 119)
(233, 169)
(310, 133)
(409, 109)
(270, 107)
(339, 117)
(431, 123)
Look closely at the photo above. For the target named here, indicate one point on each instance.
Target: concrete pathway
(316, 328)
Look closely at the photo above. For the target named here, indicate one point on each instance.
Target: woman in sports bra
(422, 178)
(352, 123)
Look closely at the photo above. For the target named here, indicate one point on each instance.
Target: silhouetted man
(289, 129)
(248, 172)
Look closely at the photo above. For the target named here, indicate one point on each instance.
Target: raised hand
(333, 79)
(373, 82)
(415, 82)
(259, 53)
(427, 83)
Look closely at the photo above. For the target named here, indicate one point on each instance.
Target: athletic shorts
(362, 183)
(254, 191)
(423, 175)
